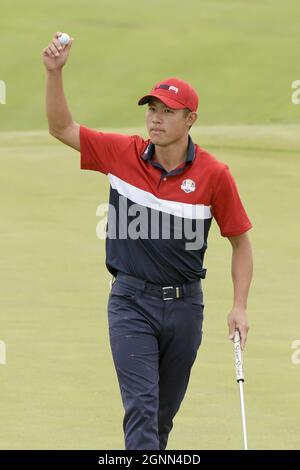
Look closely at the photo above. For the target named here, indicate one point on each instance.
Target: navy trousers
(154, 344)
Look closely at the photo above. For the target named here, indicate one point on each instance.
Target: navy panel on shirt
(156, 255)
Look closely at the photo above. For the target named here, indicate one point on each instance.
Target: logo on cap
(188, 186)
(164, 86)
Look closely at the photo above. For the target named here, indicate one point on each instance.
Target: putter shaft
(240, 379)
(243, 414)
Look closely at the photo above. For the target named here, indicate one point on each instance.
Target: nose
(156, 118)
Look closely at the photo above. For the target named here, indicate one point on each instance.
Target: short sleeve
(227, 207)
(100, 150)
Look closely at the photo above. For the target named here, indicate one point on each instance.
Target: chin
(157, 140)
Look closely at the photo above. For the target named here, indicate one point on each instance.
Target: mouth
(156, 131)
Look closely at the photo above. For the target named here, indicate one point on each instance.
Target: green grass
(58, 389)
(241, 57)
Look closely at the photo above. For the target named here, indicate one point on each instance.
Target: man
(164, 192)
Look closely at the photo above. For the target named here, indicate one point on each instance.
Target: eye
(168, 110)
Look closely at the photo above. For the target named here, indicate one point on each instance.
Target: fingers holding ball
(64, 39)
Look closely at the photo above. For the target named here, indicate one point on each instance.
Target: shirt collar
(190, 155)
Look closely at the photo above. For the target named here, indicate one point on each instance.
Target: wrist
(54, 72)
(239, 305)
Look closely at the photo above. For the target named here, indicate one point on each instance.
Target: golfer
(164, 193)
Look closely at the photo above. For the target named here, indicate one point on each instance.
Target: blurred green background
(241, 56)
(58, 389)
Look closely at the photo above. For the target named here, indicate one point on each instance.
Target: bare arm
(60, 122)
(241, 269)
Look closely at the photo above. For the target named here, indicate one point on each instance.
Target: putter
(240, 380)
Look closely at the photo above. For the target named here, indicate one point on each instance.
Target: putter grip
(238, 359)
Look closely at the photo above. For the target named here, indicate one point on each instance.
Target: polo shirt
(158, 221)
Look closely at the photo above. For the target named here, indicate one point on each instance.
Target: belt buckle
(165, 292)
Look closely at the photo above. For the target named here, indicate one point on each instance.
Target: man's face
(167, 125)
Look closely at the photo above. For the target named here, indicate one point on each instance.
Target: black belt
(177, 291)
(165, 292)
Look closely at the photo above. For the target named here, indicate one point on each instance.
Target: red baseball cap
(174, 93)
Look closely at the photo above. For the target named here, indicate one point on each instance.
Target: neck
(172, 155)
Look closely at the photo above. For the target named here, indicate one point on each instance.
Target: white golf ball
(64, 39)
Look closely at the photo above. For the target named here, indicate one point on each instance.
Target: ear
(191, 118)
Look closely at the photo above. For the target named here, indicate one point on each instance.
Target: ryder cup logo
(188, 186)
